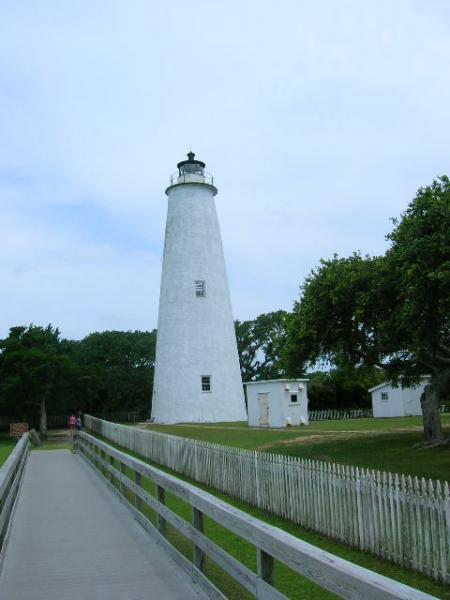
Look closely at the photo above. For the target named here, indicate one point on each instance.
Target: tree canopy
(105, 372)
(35, 372)
(260, 342)
(344, 386)
(117, 370)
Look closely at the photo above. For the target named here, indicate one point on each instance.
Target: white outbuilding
(390, 401)
(277, 402)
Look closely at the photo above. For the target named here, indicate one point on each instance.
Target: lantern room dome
(191, 166)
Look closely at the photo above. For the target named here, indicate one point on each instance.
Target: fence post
(258, 494)
(137, 481)
(102, 467)
(160, 521)
(111, 476)
(196, 461)
(264, 563)
(123, 487)
(197, 522)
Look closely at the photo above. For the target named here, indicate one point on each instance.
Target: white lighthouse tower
(197, 375)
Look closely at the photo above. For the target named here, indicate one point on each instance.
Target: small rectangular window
(200, 289)
(293, 397)
(206, 383)
(384, 397)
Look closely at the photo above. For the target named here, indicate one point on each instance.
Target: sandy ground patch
(335, 435)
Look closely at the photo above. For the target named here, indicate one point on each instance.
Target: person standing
(72, 423)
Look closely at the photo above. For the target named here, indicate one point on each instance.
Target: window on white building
(200, 289)
(294, 398)
(384, 397)
(206, 383)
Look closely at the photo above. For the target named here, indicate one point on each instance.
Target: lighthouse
(197, 374)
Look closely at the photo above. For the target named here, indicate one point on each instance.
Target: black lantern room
(191, 166)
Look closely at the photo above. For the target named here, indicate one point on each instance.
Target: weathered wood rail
(339, 576)
(400, 518)
(11, 473)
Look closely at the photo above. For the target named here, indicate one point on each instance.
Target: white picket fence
(334, 414)
(337, 414)
(397, 517)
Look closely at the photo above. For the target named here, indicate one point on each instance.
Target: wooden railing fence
(11, 473)
(124, 475)
(403, 519)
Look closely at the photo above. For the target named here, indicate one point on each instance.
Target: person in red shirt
(72, 422)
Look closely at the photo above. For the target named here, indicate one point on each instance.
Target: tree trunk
(43, 420)
(430, 401)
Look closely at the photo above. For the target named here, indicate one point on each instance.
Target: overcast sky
(319, 121)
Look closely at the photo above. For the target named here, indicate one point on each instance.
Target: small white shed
(277, 402)
(389, 401)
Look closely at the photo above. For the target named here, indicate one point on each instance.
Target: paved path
(72, 538)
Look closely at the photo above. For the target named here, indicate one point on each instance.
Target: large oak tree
(392, 310)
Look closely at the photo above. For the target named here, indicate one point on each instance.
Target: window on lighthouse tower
(200, 289)
(206, 383)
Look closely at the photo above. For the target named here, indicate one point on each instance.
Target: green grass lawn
(388, 452)
(57, 440)
(288, 582)
(233, 434)
(384, 444)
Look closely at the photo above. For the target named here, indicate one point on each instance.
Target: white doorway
(263, 402)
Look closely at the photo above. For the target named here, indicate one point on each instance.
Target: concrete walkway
(72, 538)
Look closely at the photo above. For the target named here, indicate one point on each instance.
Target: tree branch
(444, 348)
(428, 365)
(442, 359)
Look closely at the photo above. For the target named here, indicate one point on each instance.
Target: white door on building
(263, 410)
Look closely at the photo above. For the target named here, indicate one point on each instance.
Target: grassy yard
(57, 440)
(291, 584)
(388, 452)
(385, 444)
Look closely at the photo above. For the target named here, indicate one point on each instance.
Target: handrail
(403, 519)
(11, 473)
(335, 574)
